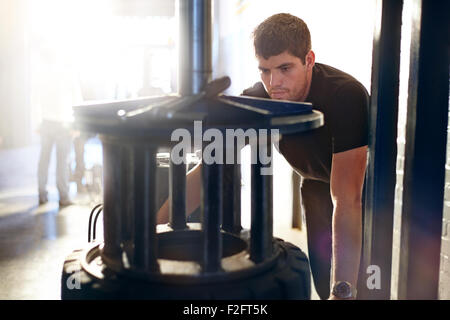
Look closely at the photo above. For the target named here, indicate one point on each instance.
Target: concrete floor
(34, 240)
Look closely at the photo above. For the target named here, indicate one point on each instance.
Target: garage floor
(34, 240)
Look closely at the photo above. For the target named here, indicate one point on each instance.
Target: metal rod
(195, 58)
(237, 226)
(261, 232)
(232, 194)
(425, 152)
(145, 240)
(296, 201)
(128, 202)
(127, 193)
(228, 197)
(112, 201)
(381, 171)
(177, 195)
(211, 215)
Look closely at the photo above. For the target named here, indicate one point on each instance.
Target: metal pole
(261, 232)
(127, 194)
(232, 193)
(381, 172)
(145, 208)
(237, 226)
(425, 152)
(195, 57)
(296, 201)
(177, 195)
(112, 200)
(211, 215)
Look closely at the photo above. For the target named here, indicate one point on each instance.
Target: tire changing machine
(210, 259)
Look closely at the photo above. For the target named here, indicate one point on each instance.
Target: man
(331, 159)
(56, 91)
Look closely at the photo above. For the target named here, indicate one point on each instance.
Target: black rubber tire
(289, 279)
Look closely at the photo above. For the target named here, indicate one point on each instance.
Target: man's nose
(275, 79)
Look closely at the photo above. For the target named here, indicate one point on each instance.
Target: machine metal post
(425, 151)
(381, 171)
(232, 193)
(195, 58)
(145, 240)
(177, 195)
(127, 193)
(261, 205)
(112, 201)
(211, 216)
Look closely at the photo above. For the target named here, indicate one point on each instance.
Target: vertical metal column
(195, 36)
(145, 241)
(177, 195)
(211, 216)
(425, 151)
(381, 172)
(127, 195)
(296, 201)
(232, 193)
(112, 200)
(261, 232)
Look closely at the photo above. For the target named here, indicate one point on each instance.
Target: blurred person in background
(57, 90)
(79, 141)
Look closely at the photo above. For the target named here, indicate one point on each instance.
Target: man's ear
(310, 59)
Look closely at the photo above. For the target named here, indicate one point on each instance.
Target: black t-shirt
(344, 102)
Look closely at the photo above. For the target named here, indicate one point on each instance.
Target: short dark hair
(279, 33)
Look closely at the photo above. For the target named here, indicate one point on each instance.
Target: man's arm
(347, 179)
(193, 187)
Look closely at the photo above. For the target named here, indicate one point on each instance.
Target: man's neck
(308, 88)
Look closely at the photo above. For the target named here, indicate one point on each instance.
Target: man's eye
(264, 71)
(285, 69)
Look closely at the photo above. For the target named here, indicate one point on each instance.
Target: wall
(341, 33)
(15, 119)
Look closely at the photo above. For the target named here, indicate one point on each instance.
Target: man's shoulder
(332, 75)
(257, 90)
(334, 81)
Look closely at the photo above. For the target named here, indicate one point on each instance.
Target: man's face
(285, 77)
